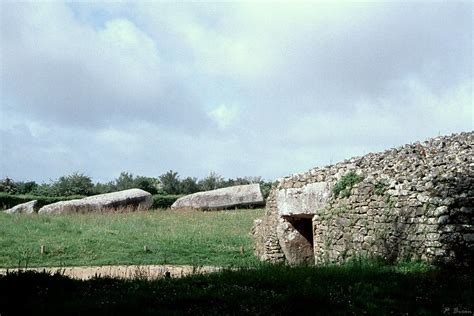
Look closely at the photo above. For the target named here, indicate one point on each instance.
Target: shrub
(380, 188)
(164, 201)
(74, 184)
(266, 187)
(189, 186)
(9, 200)
(211, 182)
(146, 184)
(343, 187)
(170, 182)
(7, 185)
(26, 187)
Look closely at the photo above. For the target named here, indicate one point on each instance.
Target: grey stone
(295, 246)
(24, 208)
(424, 210)
(468, 237)
(443, 219)
(134, 199)
(306, 200)
(240, 195)
(441, 210)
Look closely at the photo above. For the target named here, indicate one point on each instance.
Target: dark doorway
(297, 239)
(304, 225)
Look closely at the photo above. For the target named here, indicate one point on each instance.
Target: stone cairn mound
(411, 202)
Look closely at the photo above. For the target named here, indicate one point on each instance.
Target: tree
(211, 182)
(101, 188)
(26, 187)
(74, 184)
(189, 186)
(170, 182)
(146, 184)
(45, 189)
(125, 181)
(7, 185)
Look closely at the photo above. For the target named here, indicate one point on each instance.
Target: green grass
(374, 289)
(171, 237)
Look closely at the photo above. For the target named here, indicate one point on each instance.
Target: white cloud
(102, 88)
(224, 116)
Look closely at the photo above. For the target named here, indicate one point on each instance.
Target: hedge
(10, 200)
(164, 201)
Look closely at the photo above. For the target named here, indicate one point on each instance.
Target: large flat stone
(240, 195)
(23, 208)
(134, 199)
(300, 201)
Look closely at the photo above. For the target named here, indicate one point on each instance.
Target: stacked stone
(267, 244)
(415, 201)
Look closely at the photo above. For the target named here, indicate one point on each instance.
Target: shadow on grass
(355, 288)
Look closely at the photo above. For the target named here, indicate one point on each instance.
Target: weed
(380, 188)
(343, 187)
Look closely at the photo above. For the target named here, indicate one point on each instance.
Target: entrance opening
(304, 225)
(299, 247)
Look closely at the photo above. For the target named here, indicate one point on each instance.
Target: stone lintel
(307, 200)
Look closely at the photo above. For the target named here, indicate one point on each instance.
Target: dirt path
(125, 272)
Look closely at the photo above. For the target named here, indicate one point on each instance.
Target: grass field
(170, 237)
(373, 289)
(203, 238)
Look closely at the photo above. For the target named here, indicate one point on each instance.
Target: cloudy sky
(239, 88)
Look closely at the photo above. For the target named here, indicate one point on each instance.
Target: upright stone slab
(134, 199)
(240, 195)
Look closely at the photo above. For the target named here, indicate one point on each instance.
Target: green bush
(164, 201)
(74, 184)
(266, 187)
(380, 188)
(9, 200)
(343, 187)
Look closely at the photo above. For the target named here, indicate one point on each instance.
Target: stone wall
(411, 202)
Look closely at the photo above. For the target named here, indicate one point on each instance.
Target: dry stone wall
(411, 202)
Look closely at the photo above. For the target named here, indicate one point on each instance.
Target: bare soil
(124, 272)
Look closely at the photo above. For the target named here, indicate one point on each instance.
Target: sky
(238, 88)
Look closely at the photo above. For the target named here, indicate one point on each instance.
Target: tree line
(169, 183)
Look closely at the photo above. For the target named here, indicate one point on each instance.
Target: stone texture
(294, 244)
(415, 201)
(240, 195)
(133, 199)
(304, 200)
(24, 208)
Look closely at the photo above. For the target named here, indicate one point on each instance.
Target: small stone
(469, 238)
(423, 198)
(432, 236)
(442, 210)
(442, 220)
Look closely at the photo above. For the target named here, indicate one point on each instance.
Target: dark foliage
(164, 201)
(267, 290)
(10, 200)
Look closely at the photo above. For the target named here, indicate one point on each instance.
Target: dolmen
(237, 196)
